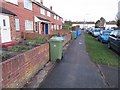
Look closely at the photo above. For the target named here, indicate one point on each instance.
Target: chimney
(41, 1)
(50, 7)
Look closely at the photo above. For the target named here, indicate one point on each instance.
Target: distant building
(83, 24)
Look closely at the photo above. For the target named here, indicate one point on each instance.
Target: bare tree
(118, 15)
(118, 19)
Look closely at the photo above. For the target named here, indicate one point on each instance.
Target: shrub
(18, 48)
(4, 56)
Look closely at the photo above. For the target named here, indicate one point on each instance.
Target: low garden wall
(19, 69)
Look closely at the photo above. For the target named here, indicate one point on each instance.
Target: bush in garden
(4, 56)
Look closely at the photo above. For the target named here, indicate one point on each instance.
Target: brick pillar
(12, 28)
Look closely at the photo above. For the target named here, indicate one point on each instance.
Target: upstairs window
(12, 1)
(55, 16)
(42, 11)
(48, 13)
(28, 4)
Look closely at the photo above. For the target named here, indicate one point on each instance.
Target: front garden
(21, 47)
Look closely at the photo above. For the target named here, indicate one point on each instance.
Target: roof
(41, 5)
(43, 19)
(7, 11)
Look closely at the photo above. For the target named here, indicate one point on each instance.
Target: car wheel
(97, 39)
(109, 45)
(101, 40)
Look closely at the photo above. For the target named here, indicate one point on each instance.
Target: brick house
(32, 17)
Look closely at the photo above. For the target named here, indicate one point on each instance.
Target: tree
(118, 19)
(118, 23)
(102, 22)
(118, 15)
(97, 24)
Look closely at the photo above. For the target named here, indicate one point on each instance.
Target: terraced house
(29, 16)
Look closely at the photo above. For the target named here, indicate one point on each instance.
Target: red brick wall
(12, 28)
(18, 70)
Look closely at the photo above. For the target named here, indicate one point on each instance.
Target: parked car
(90, 30)
(104, 36)
(114, 40)
(96, 32)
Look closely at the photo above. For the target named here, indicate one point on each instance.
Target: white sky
(88, 10)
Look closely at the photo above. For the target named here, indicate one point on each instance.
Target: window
(57, 27)
(54, 27)
(42, 11)
(17, 24)
(28, 4)
(48, 13)
(12, 1)
(28, 25)
(4, 23)
(55, 16)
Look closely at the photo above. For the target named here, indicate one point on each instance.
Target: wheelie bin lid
(57, 39)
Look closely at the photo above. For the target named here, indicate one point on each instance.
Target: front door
(46, 28)
(5, 28)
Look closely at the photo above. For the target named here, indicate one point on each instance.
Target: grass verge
(99, 52)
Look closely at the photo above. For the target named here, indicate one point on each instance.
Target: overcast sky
(88, 10)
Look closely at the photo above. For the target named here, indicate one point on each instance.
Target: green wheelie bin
(56, 46)
(73, 35)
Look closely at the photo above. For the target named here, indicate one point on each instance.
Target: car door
(118, 41)
(112, 39)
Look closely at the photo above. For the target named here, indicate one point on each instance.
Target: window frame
(42, 11)
(27, 25)
(18, 24)
(12, 2)
(26, 3)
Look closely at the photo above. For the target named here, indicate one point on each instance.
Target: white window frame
(12, 1)
(17, 24)
(55, 17)
(28, 4)
(48, 14)
(42, 11)
(28, 25)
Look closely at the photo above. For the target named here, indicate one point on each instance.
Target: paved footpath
(76, 70)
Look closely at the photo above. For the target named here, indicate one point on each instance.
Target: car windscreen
(96, 30)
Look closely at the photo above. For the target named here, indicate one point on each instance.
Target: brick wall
(18, 70)
(12, 28)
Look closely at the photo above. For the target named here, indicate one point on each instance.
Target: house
(31, 17)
